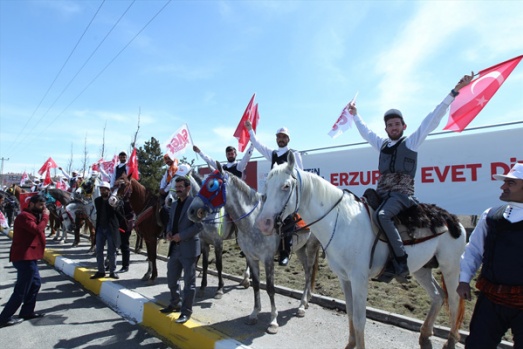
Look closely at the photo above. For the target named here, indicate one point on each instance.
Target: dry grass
(404, 299)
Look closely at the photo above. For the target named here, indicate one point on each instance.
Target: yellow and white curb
(141, 310)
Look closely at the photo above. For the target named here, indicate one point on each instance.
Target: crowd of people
(494, 244)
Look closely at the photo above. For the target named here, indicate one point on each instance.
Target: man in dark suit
(183, 252)
(27, 248)
(107, 229)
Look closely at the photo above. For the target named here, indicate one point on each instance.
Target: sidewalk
(221, 323)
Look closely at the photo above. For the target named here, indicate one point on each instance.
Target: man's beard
(231, 159)
(395, 138)
(37, 210)
(105, 195)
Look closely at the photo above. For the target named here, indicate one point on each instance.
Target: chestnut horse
(145, 205)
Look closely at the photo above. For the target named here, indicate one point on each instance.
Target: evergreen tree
(150, 162)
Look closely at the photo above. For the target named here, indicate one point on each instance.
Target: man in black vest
(108, 220)
(397, 165)
(72, 179)
(497, 242)
(278, 156)
(233, 166)
(120, 169)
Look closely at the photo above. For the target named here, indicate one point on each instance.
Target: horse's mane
(60, 195)
(198, 179)
(242, 186)
(420, 216)
(319, 185)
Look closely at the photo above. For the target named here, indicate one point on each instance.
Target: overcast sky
(69, 69)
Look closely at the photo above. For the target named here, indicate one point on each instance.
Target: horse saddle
(293, 224)
(416, 224)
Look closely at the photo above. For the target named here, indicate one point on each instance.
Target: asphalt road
(74, 318)
(78, 319)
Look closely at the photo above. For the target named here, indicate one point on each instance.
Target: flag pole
(190, 137)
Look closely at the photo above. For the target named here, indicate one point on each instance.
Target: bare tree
(69, 166)
(102, 151)
(86, 157)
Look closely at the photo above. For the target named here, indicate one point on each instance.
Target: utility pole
(2, 159)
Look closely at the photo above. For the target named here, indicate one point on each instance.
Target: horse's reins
(298, 201)
(217, 220)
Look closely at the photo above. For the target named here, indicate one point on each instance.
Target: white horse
(343, 226)
(243, 204)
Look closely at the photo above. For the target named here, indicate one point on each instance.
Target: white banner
(454, 171)
(178, 143)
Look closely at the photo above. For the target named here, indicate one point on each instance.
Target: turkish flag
(241, 133)
(47, 179)
(473, 97)
(24, 199)
(133, 165)
(47, 165)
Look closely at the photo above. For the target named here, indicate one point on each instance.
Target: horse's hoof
(300, 313)
(251, 321)
(151, 282)
(245, 283)
(272, 329)
(425, 343)
(218, 295)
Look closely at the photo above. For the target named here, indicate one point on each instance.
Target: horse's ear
(219, 167)
(291, 161)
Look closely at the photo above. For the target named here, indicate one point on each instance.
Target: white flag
(178, 142)
(344, 121)
(24, 178)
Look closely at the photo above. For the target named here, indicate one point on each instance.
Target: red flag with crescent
(47, 179)
(241, 133)
(133, 165)
(473, 97)
(48, 164)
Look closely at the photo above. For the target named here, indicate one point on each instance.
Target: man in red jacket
(27, 248)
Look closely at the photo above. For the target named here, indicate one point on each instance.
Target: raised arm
(205, 157)
(262, 149)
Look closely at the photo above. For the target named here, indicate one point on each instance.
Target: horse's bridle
(220, 189)
(278, 221)
(128, 190)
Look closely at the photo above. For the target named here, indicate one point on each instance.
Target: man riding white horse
(278, 156)
(397, 166)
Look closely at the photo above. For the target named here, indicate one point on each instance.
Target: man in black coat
(183, 252)
(107, 230)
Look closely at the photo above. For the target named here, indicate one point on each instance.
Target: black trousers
(490, 321)
(124, 248)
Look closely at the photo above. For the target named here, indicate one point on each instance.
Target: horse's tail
(460, 315)
(315, 270)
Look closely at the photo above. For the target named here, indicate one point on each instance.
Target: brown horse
(55, 207)
(146, 206)
(16, 191)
